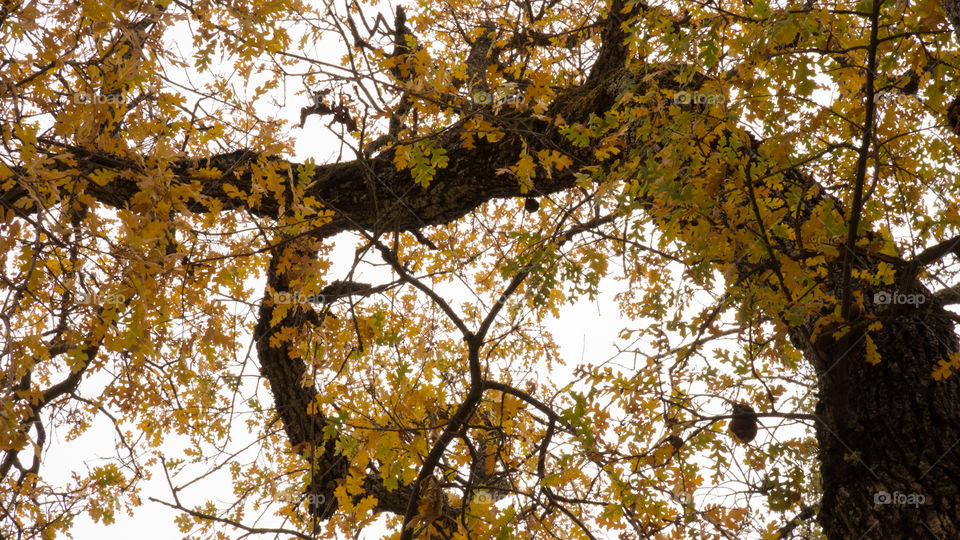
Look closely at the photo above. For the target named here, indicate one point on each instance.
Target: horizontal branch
(937, 252)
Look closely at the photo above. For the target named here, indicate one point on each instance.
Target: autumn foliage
(320, 252)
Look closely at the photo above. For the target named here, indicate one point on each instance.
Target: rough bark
(888, 433)
(282, 366)
(285, 369)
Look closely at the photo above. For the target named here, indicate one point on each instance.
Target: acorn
(743, 425)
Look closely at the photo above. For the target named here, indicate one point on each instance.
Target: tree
(787, 165)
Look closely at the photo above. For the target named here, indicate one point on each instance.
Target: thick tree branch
(935, 253)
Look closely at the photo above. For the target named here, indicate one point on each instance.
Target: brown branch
(948, 295)
(937, 252)
(250, 530)
(864, 151)
(477, 384)
(507, 389)
(806, 513)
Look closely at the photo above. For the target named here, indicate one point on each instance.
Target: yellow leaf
(873, 356)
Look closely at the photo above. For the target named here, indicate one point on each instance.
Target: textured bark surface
(889, 432)
(285, 370)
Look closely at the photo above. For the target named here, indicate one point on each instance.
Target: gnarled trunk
(889, 433)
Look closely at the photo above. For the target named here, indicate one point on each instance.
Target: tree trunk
(889, 432)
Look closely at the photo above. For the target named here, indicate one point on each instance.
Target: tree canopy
(765, 195)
